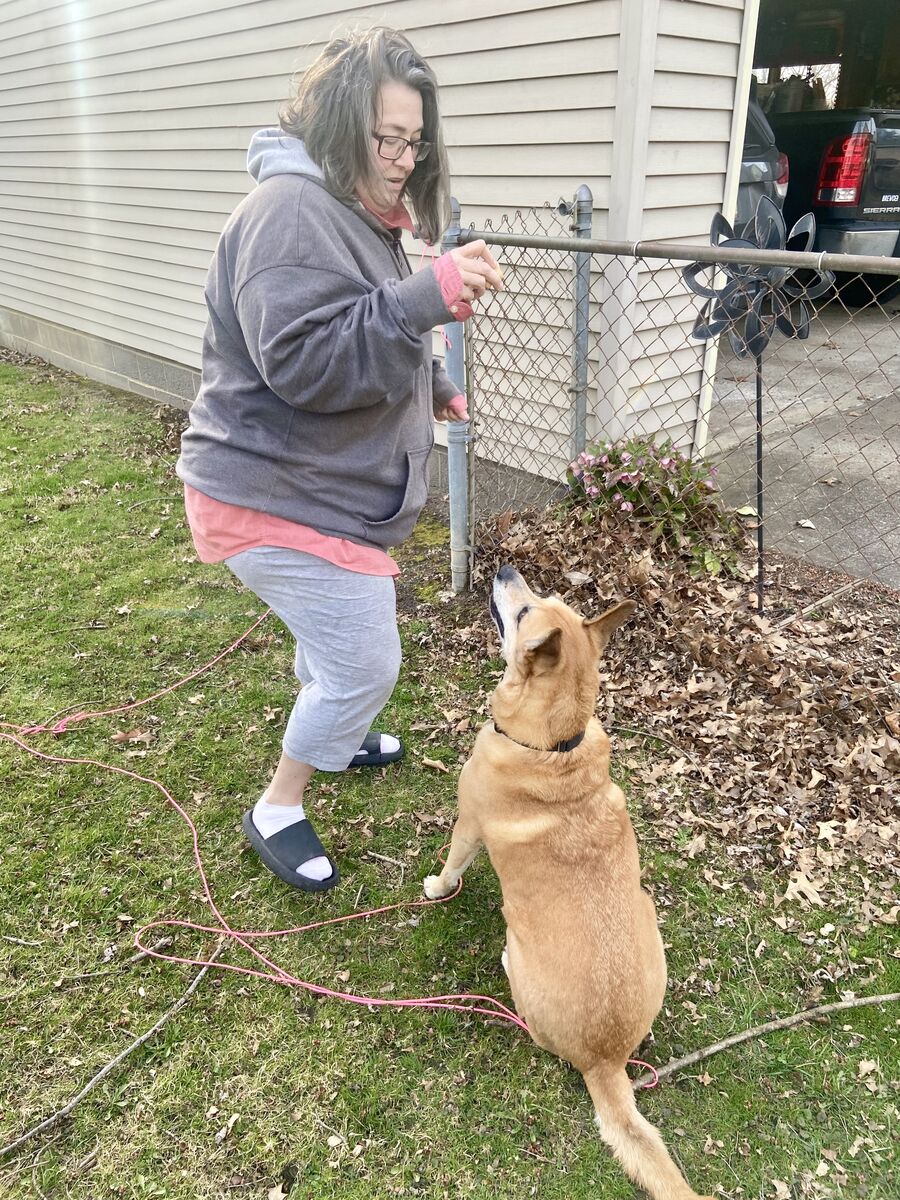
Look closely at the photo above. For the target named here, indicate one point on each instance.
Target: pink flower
(627, 506)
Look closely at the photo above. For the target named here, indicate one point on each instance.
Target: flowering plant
(655, 484)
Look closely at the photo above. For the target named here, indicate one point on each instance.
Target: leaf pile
(785, 733)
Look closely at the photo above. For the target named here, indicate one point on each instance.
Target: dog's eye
(521, 614)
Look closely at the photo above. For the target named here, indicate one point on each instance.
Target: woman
(306, 454)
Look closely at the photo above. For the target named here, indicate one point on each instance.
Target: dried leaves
(777, 733)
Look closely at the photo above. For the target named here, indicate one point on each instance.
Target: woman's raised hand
(478, 270)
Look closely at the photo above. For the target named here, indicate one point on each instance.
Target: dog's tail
(633, 1140)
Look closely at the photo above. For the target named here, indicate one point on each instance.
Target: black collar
(568, 744)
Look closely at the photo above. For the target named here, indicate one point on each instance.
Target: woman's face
(398, 114)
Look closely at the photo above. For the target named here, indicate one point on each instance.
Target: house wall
(675, 107)
(679, 131)
(124, 126)
(123, 132)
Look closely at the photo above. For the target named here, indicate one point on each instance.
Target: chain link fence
(633, 438)
(595, 354)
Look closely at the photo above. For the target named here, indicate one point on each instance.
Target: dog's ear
(542, 652)
(603, 627)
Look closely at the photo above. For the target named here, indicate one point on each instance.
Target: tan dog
(583, 952)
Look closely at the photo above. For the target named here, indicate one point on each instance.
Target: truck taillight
(842, 169)
(782, 175)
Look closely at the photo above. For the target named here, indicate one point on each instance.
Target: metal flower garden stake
(754, 301)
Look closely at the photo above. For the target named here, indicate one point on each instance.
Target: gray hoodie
(318, 379)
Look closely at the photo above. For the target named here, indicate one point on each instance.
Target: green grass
(104, 602)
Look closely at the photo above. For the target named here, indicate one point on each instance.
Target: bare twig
(395, 862)
(392, 861)
(647, 733)
(20, 941)
(825, 602)
(89, 1161)
(63, 1112)
(808, 1014)
(35, 1184)
(157, 945)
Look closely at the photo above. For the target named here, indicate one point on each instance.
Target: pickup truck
(764, 169)
(845, 170)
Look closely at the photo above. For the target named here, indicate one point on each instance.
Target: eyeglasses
(392, 148)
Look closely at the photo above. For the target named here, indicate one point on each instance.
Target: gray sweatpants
(348, 647)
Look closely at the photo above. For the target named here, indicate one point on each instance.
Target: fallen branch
(808, 1014)
(825, 602)
(62, 1113)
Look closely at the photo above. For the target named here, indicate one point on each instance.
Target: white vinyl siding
(691, 93)
(124, 128)
(696, 65)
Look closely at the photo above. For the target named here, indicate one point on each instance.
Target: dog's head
(549, 688)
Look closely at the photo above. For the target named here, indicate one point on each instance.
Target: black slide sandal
(374, 756)
(288, 849)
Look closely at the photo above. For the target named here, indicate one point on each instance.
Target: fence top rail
(853, 264)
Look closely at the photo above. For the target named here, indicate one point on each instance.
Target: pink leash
(462, 1002)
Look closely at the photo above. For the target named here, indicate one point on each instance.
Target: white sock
(272, 818)
(389, 745)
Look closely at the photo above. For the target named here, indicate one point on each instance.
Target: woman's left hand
(456, 410)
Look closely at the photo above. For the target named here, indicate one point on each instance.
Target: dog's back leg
(634, 1141)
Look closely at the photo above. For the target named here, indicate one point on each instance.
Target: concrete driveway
(831, 423)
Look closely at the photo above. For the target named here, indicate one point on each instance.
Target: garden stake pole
(759, 488)
(738, 306)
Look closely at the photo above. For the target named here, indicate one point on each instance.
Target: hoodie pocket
(394, 529)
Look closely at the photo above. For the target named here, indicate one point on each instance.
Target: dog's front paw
(434, 887)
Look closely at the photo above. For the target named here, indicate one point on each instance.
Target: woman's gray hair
(333, 108)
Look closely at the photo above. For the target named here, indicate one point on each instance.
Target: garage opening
(843, 54)
(823, 125)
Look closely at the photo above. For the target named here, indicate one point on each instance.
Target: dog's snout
(507, 574)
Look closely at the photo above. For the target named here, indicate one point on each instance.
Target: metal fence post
(584, 209)
(457, 434)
